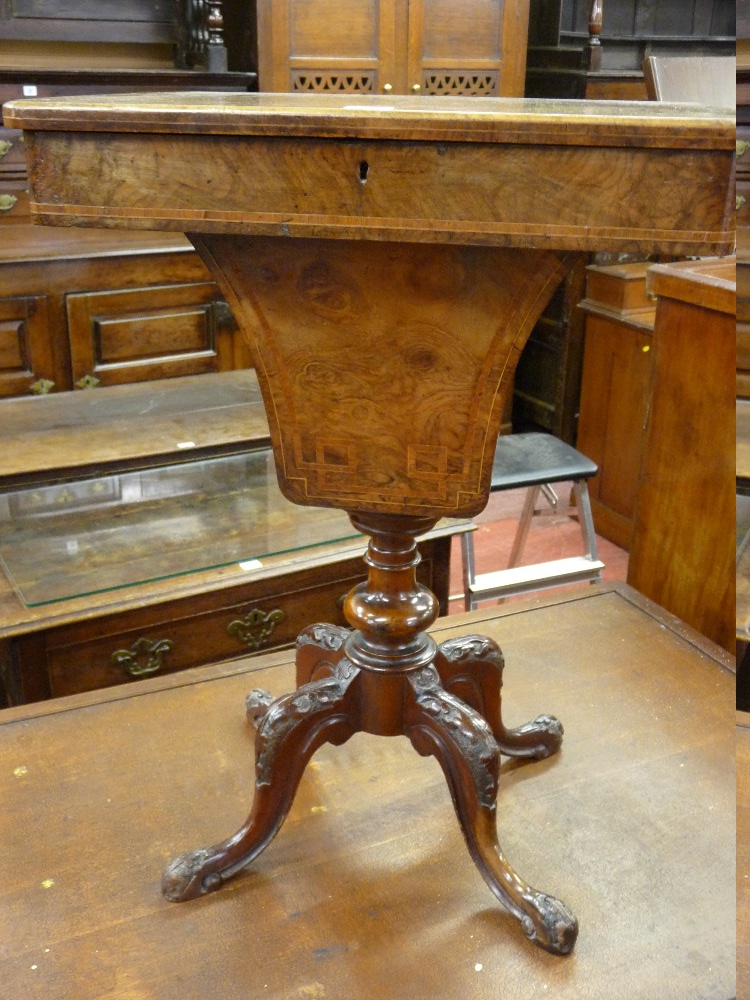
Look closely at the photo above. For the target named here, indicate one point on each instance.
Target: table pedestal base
(389, 678)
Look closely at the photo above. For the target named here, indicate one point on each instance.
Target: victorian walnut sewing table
(428, 236)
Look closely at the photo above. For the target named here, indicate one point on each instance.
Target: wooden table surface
(633, 825)
(68, 435)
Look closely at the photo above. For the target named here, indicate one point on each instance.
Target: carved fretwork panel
(461, 82)
(322, 80)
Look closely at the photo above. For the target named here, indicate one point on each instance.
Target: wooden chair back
(707, 80)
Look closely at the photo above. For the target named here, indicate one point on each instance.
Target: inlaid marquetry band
(506, 234)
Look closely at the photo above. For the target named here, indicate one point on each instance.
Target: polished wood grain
(367, 891)
(614, 392)
(682, 555)
(523, 179)
(341, 434)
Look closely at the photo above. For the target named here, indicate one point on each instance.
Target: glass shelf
(92, 535)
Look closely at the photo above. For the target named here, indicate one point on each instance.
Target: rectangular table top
(443, 118)
(566, 175)
(368, 890)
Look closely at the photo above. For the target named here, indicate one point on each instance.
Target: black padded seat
(532, 459)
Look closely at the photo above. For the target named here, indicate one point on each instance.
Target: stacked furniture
(142, 531)
(682, 554)
(619, 326)
(595, 49)
(80, 309)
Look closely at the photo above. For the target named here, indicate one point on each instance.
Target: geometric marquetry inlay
(385, 365)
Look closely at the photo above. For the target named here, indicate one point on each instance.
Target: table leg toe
(289, 732)
(471, 667)
(441, 725)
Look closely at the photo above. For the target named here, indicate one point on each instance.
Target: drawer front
(220, 634)
(14, 205)
(26, 363)
(138, 334)
(192, 632)
(12, 155)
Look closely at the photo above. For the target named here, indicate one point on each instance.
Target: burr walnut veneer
(429, 235)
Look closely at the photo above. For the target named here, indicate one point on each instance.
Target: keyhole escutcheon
(364, 169)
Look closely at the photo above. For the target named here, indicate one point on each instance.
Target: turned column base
(449, 708)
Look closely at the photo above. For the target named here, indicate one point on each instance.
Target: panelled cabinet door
(475, 48)
(393, 46)
(138, 334)
(26, 361)
(328, 45)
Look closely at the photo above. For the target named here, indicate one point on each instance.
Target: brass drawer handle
(256, 627)
(41, 387)
(740, 202)
(144, 657)
(7, 201)
(5, 146)
(742, 147)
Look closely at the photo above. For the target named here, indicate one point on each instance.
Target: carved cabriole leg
(471, 667)
(441, 725)
(318, 652)
(257, 704)
(319, 649)
(290, 732)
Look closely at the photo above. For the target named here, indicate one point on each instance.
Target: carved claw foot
(186, 877)
(256, 705)
(440, 724)
(289, 731)
(319, 649)
(471, 667)
(538, 739)
(555, 928)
